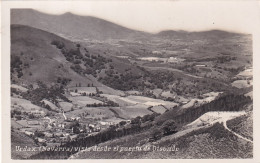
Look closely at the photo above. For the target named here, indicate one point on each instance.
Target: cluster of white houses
(58, 132)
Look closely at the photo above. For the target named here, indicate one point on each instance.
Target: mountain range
(88, 27)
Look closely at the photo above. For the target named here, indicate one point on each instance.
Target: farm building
(33, 122)
(65, 139)
(73, 137)
(47, 134)
(41, 140)
(37, 113)
(62, 125)
(97, 128)
(29, 133)
(59, 134)
(106, 123)
(200, 65)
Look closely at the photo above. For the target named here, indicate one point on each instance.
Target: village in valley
(51, 129)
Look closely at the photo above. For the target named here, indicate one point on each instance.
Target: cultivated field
(24, 104)
(133, 111)
(133, 100)
(66, 106)
(86, 90)
(84, 100)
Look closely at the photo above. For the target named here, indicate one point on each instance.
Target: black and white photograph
(131, 80)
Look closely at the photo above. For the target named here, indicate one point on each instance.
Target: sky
(155, 16)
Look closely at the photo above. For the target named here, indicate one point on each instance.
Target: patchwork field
(66, 106)
(110, 91)
(86, 90)
(24, 104)
(16, 125)
(151, 101)
(157, 59)
(242, 83)
(246, 73)
(133, 111)
(133, 100)
(20, 88)
(89, 112)
(53, 107)
(84, 100)
(158, 109)
(168, 94)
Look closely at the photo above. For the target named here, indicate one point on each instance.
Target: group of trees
(58, 44)
(105, 104)
(82, 64)
(165, 80)
(15, 91)
(19, 114)
(16, 113)
(63, 81)
(226, 102)
(17, 65)
(167, 128)
(52, 94)
(122, 81)
(223, 59)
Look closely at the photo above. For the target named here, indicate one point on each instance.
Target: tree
(39, 134)
(156, 134)
(31, 116)
(122, 123)
(18, 117)
(169, 127)
(136, 120)
(76, 130)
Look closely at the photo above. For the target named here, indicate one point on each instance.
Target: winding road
(225, 125)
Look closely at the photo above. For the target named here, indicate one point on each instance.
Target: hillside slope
(205, 142)
(70, 25)
(21, 140)
(205, 137)
(37, 59)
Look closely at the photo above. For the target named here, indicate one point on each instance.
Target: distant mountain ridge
(202, 34)
(69, 24)
(88, 27)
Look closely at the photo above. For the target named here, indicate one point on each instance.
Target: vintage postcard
(102, 80)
